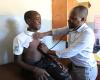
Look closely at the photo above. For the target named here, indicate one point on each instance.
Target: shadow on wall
(6, 43)
(8, 30)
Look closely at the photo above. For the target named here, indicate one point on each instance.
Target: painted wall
(12, 22)
(93, 10)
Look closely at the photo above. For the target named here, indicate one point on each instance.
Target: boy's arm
(18, 50)
(35, 70)
(21, 63)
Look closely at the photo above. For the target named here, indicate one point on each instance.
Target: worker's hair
(82, 10)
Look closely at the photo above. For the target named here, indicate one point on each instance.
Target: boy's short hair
(29, 14)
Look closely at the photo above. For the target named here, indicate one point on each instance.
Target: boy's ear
(28, 21)
(83, 19)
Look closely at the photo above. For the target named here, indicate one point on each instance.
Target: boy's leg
(57, 72)
(27, 75)
(50, 78)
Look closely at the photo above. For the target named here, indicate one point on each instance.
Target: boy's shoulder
(20, 36)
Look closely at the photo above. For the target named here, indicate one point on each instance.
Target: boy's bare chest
(32, 53)
(34, 44)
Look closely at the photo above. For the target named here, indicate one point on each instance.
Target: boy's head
(77, 17)
(33, 19)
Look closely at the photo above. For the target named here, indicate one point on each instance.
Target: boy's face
(35, 22)
(74, 21)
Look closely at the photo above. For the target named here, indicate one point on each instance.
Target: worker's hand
(40, 74)
(38, 35)
(52, 53)
(43, 48)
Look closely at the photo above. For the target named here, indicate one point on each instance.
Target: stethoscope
(70, 30)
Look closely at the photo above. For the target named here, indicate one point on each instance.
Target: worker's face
(35, 22)
(74, 20)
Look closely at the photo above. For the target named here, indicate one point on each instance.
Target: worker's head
(77, 17)
(33, 19)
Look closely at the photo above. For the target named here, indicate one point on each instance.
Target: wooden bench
(10, 72)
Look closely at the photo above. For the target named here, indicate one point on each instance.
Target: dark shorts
(55, 71)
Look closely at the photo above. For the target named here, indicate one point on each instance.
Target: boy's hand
(38, 35)
(40, 74)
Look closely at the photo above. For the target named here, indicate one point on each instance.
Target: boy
(25, 48)
(81, 42)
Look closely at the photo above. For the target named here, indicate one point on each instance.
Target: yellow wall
(93, 10)
(82, 0)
